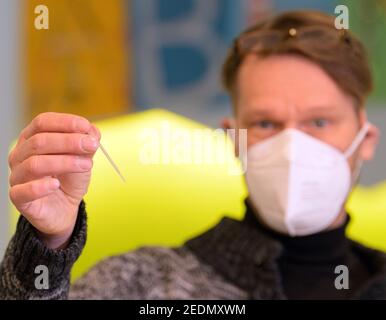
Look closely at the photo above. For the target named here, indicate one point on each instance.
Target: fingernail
(84, 163)
(89, 144)
(55, 184)
(94, 131)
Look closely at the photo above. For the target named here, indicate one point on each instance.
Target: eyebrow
(325, 109)
(264, 111)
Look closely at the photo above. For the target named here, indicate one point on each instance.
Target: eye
(264, 124)
(319, 123)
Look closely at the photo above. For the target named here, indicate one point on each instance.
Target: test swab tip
(112, 162)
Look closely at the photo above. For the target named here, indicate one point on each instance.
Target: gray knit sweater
(215, 265)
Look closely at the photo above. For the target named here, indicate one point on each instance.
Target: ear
(370, 142)
(228, 123)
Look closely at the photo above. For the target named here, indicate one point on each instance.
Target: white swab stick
(112, 162)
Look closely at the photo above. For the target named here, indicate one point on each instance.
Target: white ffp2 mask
(298, 183)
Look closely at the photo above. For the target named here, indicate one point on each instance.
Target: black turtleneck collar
(329, 246)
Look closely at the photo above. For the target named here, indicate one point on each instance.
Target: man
(298, 86)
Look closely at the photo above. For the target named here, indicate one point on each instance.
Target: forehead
(286, 80)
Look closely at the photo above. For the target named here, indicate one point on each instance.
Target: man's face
(289, 91)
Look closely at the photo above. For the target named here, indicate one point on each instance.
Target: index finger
(56, 122)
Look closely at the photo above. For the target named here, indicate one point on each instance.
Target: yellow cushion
(165, 204)
(367, 207)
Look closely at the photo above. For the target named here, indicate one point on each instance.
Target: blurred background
(105, 58)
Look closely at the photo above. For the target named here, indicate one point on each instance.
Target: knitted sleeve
(30, 270)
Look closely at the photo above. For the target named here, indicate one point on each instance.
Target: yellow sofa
(165, 204)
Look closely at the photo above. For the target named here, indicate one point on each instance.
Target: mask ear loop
(355, 144)
(357, 141)
(357, 171)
